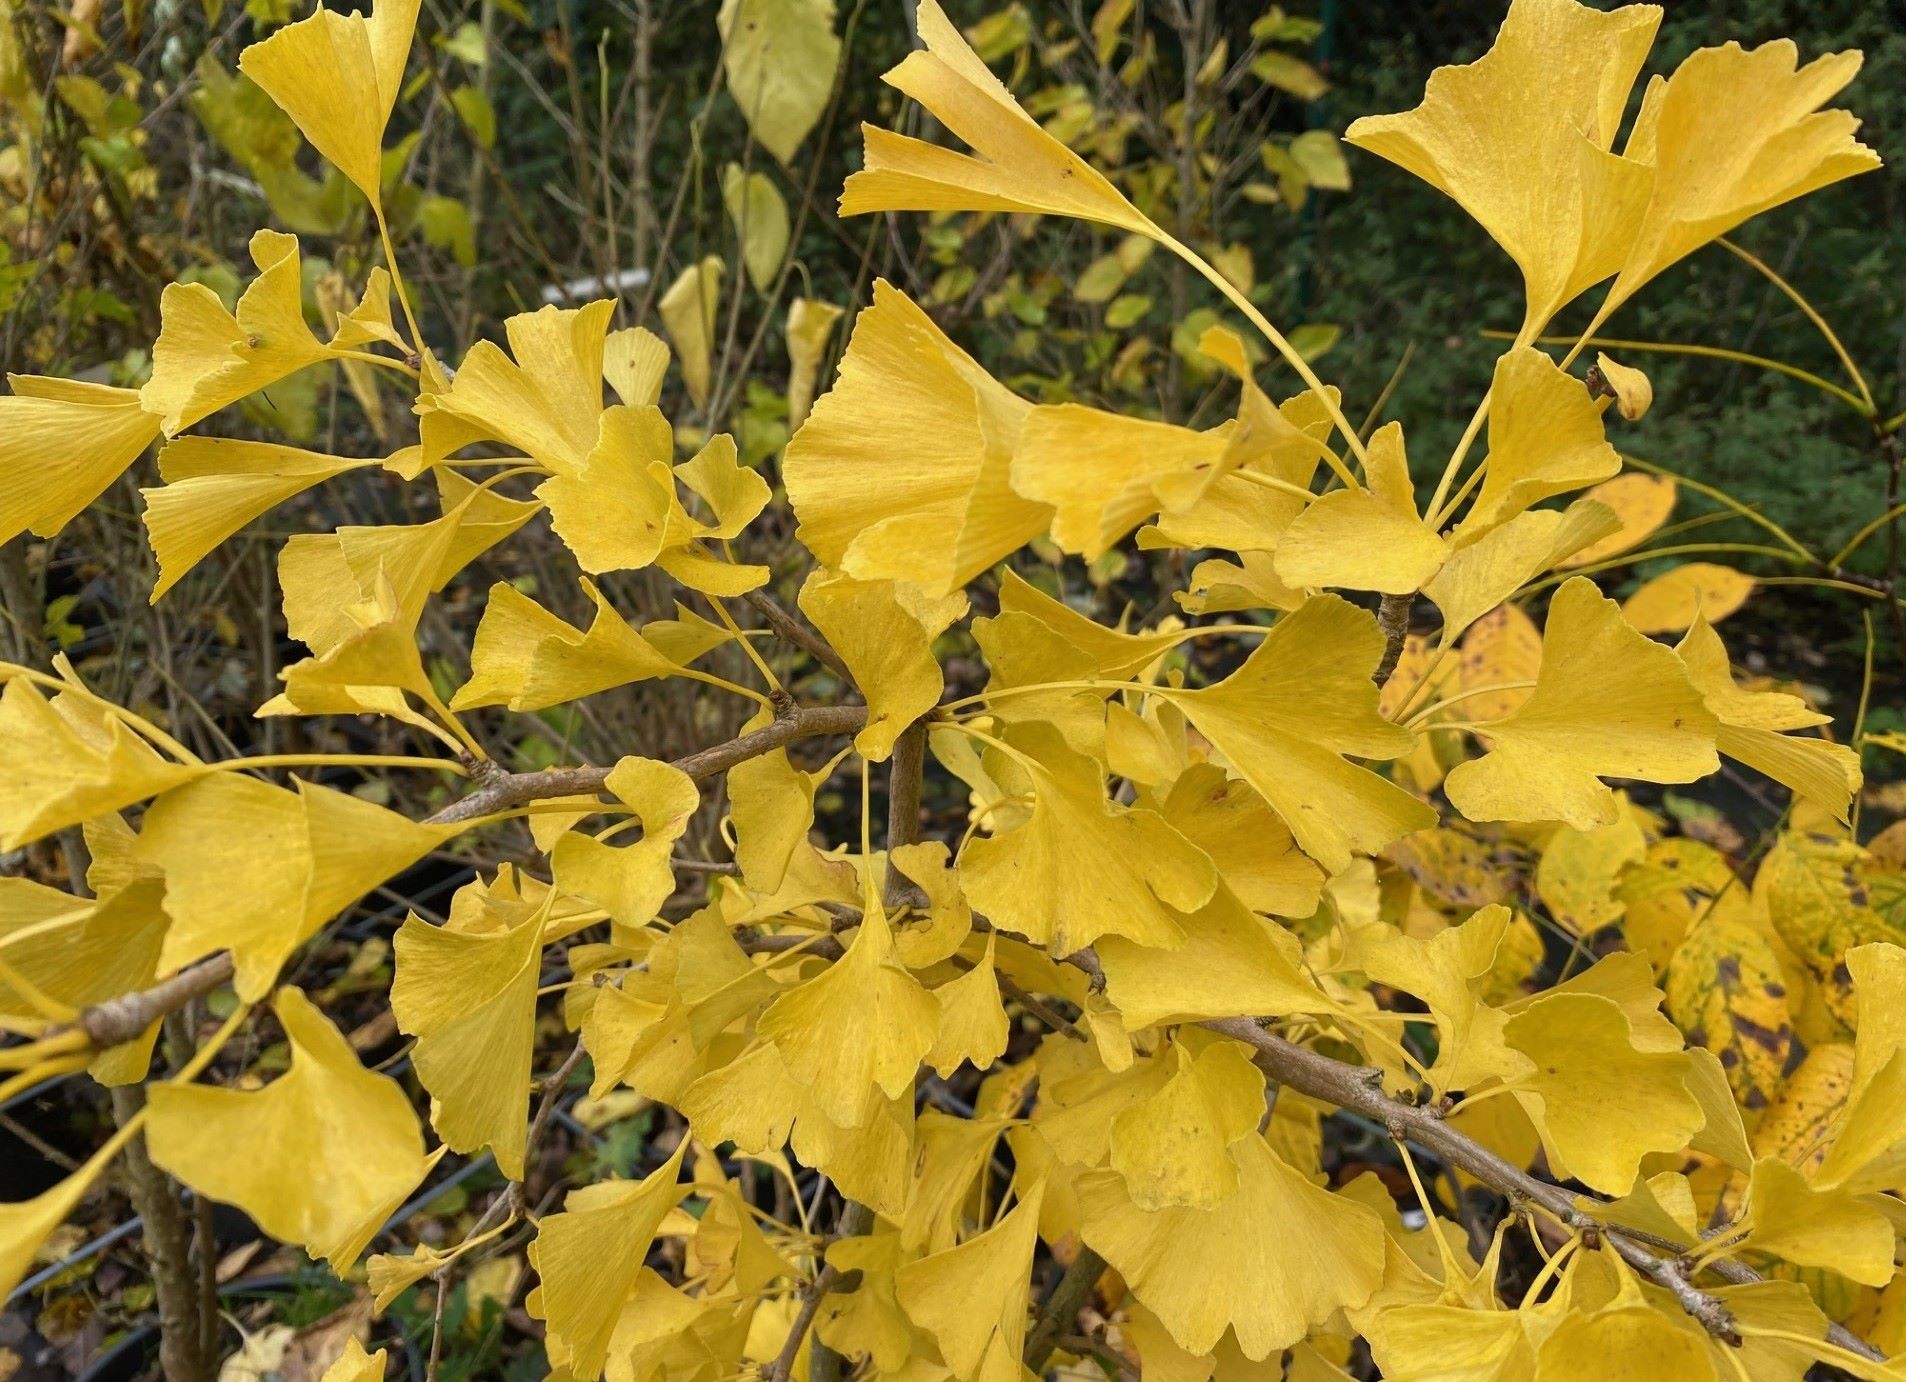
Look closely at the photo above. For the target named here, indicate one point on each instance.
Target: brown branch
(1062, 1306)
(1361, 1091)
(782, 1369)
(906, 773)
(118, 1020)
(501, 790)
(1393, 617)
(791, 630)
(155, 1197)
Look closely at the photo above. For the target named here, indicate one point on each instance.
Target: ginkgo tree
(1187, 919)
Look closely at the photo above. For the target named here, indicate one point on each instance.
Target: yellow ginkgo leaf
(1579, 870)
(355, 1365)
(618, 509)
(1697, 590)
(1302, 700)
(79, 950)
(1230, 961)
(69, 760)
(214, 486)
(470, 1000)
(338, 76)
(973, 1298)
(634, 361)
(631, 882)
(1627, 1341)
(1082, 866)
(779, 57)
(1632, 390)
(1727, 993)
(1607, 703)
(256, 870)
(1545, 438)
(1753, 724)
(855, 1034)
(587, 1259)
(1549, 94)
(973, 1027)
(1867, 1153)
(1481, 575)
(901, 471)
(771, 803)
(884, 632)
(1732, 133)
(1174, 1147)
(688, 312)
(1015, 166)
(1270, 1263)
(1600, 1103)
(62, 442)
(951, 1151)
(528, 659)
(810, 327)
(325, 1143)
(1218, 586)
(543, 397)
(1811, 1227)
(1104, 473)
(760, 219)
(1447, 971)
(206, 358)
(1256, 856)
(1364, 539)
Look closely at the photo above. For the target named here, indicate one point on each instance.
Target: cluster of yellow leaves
(1146, 851)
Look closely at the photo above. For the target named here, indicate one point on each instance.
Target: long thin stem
(337, 760)
(1739, 357)
(1820, 323)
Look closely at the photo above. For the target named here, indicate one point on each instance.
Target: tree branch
(1393, 617)
(1062, 1306)
(790, 629)
(501, 790)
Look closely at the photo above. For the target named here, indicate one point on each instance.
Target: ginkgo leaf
(901, 471)
(355, 1365)
(1753, 724)
(1631, 389)
(810, 326)
(470, 1000)
(1695, 591)
(325, 1143)
(631, 882)
(1254, 851)
(949, 918)
(1015, 165)
(634, 361)
(856, 1031)
(688, 311)
(79, 950)
(544, 396)
(1081, 866)
(1230, 961)
(760, 219)
(1726, 991)
(1174, 1147)
(1501, 649)
(1545, 438)
(1607, 703)
(215, 486)
(1601, 1104)
(528, 659)
(1481, 575)
(587, 1259)
(69, 760)
(64, 442)
(1548, 94)
(973, 1027)
(1270, 1263)
(1642, 502)
(257, 870)
(973, 1298)
(1624, 1340)
(1285, 719)
(338, 76)
(1579, 870)
(1446, 971)
(206, 357)
(884, 632)
(618, 509)
(1732, 133)
(1364, 539)
(1104, 473)
(779, 57)
(1812, 1227)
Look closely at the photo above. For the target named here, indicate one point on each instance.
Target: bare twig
(1393, 617)
(119, 1020)
(161, 1213)
(1061, 1307)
